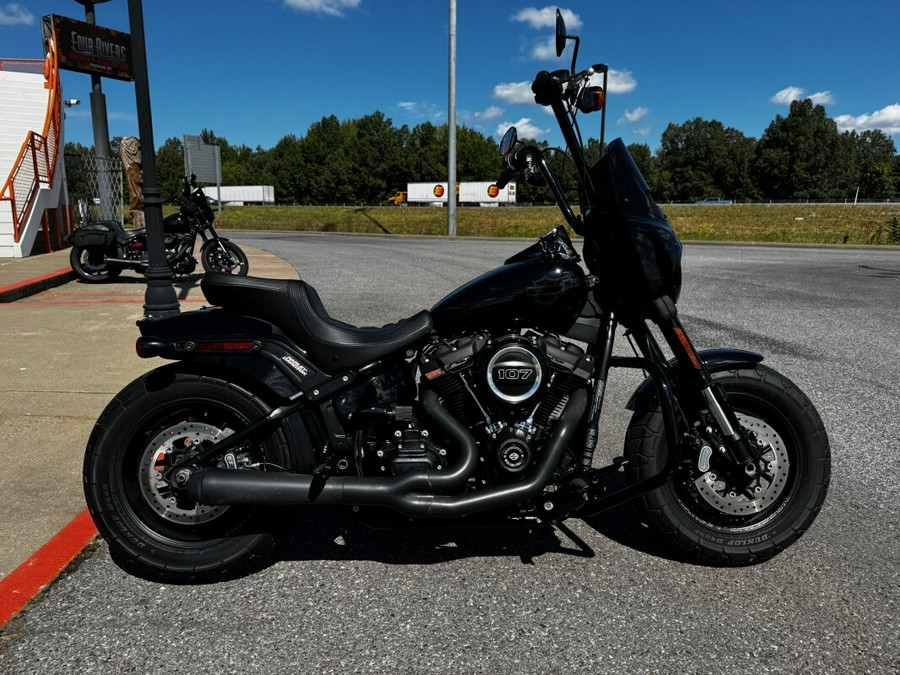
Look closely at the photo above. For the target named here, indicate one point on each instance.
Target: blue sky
(256, 71)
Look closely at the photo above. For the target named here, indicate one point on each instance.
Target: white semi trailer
(484, 193)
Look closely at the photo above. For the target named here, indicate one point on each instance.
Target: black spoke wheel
(712, 511)
(153, 530)
(90, 265)
(224, 256)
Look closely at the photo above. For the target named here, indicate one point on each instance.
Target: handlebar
(530, 158)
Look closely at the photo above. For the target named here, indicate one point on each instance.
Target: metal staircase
(33, 211)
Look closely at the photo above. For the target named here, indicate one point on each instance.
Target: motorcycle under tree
(486, 407)
(100, 251)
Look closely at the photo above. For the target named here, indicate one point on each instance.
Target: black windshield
(621, 186)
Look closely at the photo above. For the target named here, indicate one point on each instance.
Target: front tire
(230, 261)
(718, 520)
(90, 265)
(152, 532)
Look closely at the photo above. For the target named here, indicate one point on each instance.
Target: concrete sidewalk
(66, 348)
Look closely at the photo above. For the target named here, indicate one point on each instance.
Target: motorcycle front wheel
(153, 531)
(231, 261)
(711, 512)
(90, 265)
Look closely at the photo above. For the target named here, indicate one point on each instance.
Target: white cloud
(524, 127)
(422, 109)
(788, 94)
(15, 14)
(330, 7)
(632, 116)
(618, 81)
(887, 120)
(491, 113)
(545, 50)
(821, 98)
(546, 17)
(643, 131)
(514, 92)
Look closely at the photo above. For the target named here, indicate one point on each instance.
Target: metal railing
(84, 174)
(36, 161)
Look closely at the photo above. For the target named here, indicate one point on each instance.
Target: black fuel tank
(175, 223)
(538, 293)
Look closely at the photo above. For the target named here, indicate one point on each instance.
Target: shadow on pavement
(336, 534)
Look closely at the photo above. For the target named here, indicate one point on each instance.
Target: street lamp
(160, 298)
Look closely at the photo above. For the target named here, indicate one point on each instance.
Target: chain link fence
(96, 188)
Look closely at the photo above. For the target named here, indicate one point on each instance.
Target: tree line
(800, 156)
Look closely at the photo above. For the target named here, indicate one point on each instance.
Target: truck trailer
(484, 193)
(238, 195)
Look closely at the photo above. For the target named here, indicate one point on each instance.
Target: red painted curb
(23, 583)
(28, 287)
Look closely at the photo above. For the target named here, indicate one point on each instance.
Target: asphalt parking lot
(603, 594)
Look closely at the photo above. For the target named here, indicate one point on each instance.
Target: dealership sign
(91, 49)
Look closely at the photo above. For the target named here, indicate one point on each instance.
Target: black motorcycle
(484, 409)
(100, 251)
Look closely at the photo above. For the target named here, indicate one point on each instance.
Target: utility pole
(159, 298)
(451, 128)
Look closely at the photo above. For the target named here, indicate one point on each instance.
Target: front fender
(715, 360)
(212, 242)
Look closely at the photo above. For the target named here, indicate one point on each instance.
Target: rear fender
(715, 360)
(294, 427)
(256, 349)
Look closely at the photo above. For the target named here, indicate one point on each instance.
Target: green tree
(376, 154)
(875, 154)
(802, 156)
(170, 167)
(326, 170)
(283, 167)
(477, 157)
(702, 158)
(426, 154)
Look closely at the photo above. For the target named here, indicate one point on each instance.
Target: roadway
(604, 594)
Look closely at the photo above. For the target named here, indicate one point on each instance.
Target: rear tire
(90, 265)
(151, 532)
(231, 261)
(714, 523)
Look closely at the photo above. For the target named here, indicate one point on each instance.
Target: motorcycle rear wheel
(231, 261)
(90, 266)
(151, 532)
(719, 520)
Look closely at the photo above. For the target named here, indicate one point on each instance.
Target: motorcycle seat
(295, 307)
(122, 235)
(125, 235)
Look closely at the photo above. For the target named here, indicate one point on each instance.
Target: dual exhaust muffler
(419, 494)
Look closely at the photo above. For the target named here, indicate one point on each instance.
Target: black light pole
(160, 298)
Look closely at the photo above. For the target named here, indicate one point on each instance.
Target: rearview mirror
(509, 141)
(560, 33)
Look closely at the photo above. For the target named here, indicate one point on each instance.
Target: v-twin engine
(508, 390)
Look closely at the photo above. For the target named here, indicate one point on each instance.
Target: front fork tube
(697, 377)
(601, 369)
